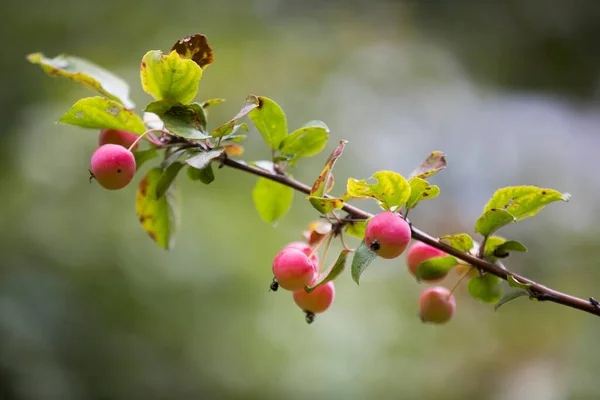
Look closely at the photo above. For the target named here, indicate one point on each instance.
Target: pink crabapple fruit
(315, 302)
(420, 252)
(113, 166)
(437, 305)
(387, 234)
(116, 136)
(293, 270)
(306, 249)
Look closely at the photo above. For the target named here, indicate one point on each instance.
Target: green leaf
(203, 159)
(211, 102)
(363, 256)
(205, 175)
(196, 48)
(491, 244)
(513, 282)
(86, 73)
(435, 268)
(325, 179)
(170, 77)
(356, 229)
(101, 113)
(158, 216)
(431, 165)
(173, 154)
(325, 205)
(461, 242)
(503, 250)
(252, 102)
(270, 121)
(141, 156)
(272, 199)
(524, 201)
(486, 288)
(492, 220)
(234, 136)
(391, 190)
(510, 296)
(420, 190)
(304, 142)
(167, 178)
(187, 121)
(332, 272)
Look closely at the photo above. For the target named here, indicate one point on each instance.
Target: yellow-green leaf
(304, 142)
(435, 268)
(391, 190)
(270, 121)
(325, 205)
(492, 220)
(486, 288)
(524, 201)
(356, 229)
(158, 216)
(461, 242)
(272, 199)
(325, 179)
(420, 190)
(498, 247)
(102, 113)
(87, 73)
(170, 77)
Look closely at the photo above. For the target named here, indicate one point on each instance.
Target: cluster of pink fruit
(388, 235)
(297, 267)
(113, 164)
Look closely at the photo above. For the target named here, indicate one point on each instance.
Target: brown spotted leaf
(195, 47)
(524, 201)
(390, 189)
(325, 205)
(158, 216)
(324, 181)
(420, 190)
(431, 165)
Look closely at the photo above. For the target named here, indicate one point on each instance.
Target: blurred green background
(90, 308)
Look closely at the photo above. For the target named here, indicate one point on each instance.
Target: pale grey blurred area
(90, 308)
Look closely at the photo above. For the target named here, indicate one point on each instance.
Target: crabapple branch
(536, 291)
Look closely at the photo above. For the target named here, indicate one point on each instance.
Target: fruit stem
(459, 281)
(318, 245)
(322, 260)
(140, 137)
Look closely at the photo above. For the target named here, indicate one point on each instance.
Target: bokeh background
(90, 308)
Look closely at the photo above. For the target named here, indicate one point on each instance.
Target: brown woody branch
(537, 291)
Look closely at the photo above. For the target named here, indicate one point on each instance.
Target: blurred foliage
(90, 308)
